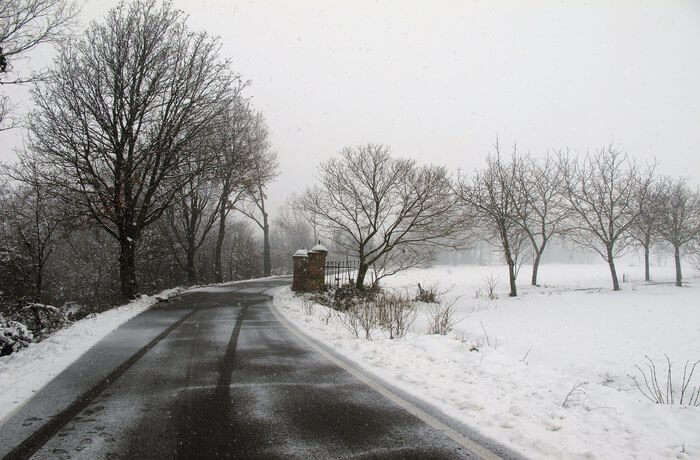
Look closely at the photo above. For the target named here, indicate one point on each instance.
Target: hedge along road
(218, 375)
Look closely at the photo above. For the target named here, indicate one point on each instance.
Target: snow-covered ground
(572, 336)
(25, 372)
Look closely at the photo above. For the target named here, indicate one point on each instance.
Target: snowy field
(24, 373)
(552, 377)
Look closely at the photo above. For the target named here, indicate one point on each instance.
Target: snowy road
(223, 378)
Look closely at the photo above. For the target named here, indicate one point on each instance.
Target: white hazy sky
(440, 80)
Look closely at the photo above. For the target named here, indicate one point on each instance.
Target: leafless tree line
(141, 145)
(604, 201)
(391, 213)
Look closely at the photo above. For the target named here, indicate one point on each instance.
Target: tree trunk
(190, 268)
(39, 282)
(613, 271)
(127, 267)
(511, 279)
(535, 267)
(511, 263)
(267, 258)
(679, 273)
(218, 255)
(361, 273)
(647, 275)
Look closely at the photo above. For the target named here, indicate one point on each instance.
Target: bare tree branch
(602, 191)
(383, 210)
(493, 198)
(24, 26)
(116, 124)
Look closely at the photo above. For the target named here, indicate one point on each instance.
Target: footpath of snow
(24, 373)
(572, 336)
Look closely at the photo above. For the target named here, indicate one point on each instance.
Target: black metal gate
(340, 272)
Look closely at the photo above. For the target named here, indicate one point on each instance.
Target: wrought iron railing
(340, 272)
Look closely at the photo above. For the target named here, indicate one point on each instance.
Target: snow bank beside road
(540, 347)
(25, 372)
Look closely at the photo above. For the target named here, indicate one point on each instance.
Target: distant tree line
(146, 165)
(392, 214)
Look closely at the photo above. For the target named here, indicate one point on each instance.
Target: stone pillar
(301, 262)
(316, 268)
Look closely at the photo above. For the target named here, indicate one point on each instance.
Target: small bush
(363, 314)
(491, 284)
(442, 318)
(343, 298)
(366, 314)
(13, 336)
(667, 392)
(307, 306)
(396, 314)
(427, 295)
(40, 319)
(576, 392)
(351, 320)
(327, 317)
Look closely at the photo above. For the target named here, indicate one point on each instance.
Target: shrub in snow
(395, 313)
(41, 319)
(307, 306)
(441, 318)
(13, 336)
(576, 392)
(360, 315)
(74, 311)
(428, 295)
(344, 297)
(366, 311)
(666, 392)
(350, 321)
(491, 283)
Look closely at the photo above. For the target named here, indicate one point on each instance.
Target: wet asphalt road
(230, 381)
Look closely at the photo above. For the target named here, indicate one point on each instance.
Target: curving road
(212, 375)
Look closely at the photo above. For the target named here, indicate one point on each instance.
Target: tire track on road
(33, 443)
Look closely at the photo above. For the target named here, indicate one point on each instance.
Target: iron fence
(340, 272)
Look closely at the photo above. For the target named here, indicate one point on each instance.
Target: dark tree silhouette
(117, 121)
(25, 25)
(385, 211)
(602, 192)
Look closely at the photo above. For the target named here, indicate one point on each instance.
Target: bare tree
(191, 217)
(116, 122)
(264, 169)
(492, 200)
(242, 252)
(35, 218)
(645, 230)
(234, 168)
(602, 192)
(538, 203)
(25, 25)
(382, 206)
(291, 230)
(680, 222)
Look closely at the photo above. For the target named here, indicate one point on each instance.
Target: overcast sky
(439, 81)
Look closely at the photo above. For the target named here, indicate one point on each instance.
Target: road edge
(456, 430)
(38, 435)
